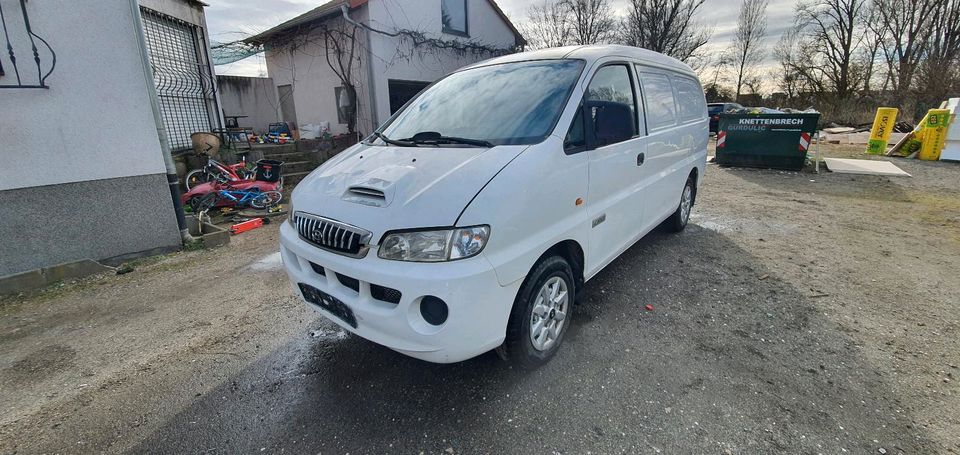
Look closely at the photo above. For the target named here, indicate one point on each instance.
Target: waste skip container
(777, 141)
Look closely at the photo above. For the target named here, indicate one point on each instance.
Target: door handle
(640, 159)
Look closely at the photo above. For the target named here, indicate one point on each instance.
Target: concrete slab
(38, 278)
(213, 235)
(866, 167)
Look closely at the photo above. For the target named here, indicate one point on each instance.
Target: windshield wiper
(393, 141)
(435, 138)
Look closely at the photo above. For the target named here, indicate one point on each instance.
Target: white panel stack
(951, 151)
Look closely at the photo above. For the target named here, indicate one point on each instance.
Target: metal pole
(172, 180)
(818, 153)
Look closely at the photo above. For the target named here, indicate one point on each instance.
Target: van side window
(661, 108)
(690, 99)
(613, 84)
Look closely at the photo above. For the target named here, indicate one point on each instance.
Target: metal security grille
(185, 87)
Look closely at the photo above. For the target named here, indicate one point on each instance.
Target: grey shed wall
(255, 97)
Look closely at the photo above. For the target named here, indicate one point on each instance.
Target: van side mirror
(609, 122)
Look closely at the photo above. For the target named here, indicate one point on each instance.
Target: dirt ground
(798, 313)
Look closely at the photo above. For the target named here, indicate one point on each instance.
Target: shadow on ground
(730, 358)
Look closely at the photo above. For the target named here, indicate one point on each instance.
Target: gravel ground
(798, 313)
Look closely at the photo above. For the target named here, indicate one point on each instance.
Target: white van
(473, 218)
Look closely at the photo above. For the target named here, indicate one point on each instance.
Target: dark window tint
(511, 103)
(453, 13)
(403, 91)
(714, 110)
(612, 83)
(658, 95)
(342, 114)
(576, 136)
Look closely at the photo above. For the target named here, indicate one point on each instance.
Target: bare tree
(872, 44)
(340, 45)
(939, 74)
(746, 51)
(665, 26)
(790, 78)
(547, 25)
(905, 23)
(589, 21)
(836, 29)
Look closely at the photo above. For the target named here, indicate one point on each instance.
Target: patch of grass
(194, 246)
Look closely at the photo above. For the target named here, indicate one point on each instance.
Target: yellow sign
(934, 134)
(882, 128)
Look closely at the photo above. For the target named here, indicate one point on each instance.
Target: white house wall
(483, 24)
(94, 122)
(314, 82)
(184, 10)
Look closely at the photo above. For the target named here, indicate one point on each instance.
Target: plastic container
(269, 171)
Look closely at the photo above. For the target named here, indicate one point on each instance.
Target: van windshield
(506, 104)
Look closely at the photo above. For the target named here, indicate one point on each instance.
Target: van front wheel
(541, 314)
(679, 219)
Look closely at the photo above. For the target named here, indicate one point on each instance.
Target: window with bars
(181, 72)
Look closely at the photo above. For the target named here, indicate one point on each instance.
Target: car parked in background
(471, 220)
(715, 109)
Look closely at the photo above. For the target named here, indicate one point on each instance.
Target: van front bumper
(478, 306)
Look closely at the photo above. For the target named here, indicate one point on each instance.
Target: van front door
(616, 155)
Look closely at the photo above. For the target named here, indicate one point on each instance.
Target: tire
(532, 351)
(266, 200)
(678, 221)
(204, 202)
(196, 177)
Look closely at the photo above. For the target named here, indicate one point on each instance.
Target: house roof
(324, 11)
(332, 8)
(513, 28)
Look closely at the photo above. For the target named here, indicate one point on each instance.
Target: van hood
(383, 188)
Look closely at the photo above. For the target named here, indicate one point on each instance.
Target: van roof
(593, 52)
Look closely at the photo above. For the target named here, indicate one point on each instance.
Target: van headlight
(434, 245)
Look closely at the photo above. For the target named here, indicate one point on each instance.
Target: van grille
(332, 235)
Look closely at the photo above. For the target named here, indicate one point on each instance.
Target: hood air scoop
(365, 195)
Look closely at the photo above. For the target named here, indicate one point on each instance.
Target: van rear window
(658, 97)
(690, 101)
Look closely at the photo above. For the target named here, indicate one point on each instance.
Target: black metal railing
(15, 27)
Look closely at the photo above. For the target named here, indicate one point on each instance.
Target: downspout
(371, 85)
(172, 180)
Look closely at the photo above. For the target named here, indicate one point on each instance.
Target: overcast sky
(230, 20)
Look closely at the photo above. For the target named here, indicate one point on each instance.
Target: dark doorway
(403, 91)
(287, 109)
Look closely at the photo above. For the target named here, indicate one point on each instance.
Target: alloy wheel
(549, 313)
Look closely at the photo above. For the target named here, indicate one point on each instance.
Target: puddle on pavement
(329, 335)
(268, 263)
(711, 223)
(724, 225)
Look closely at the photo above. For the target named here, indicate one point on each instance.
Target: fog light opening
(433, 310)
